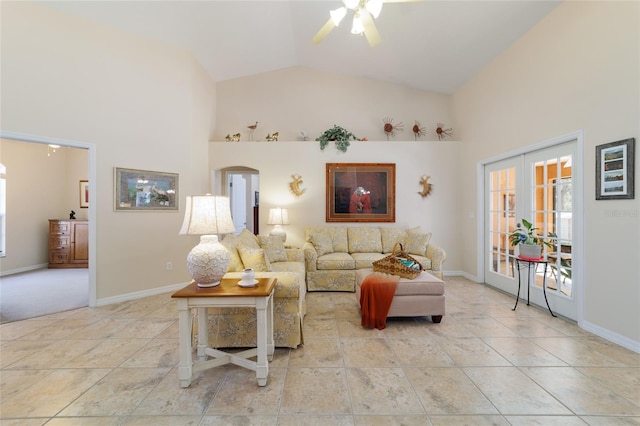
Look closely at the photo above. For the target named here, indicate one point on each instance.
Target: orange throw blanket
(376, 295)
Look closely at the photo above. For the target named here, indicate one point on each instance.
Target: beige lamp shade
(207, 215)
(278, 217)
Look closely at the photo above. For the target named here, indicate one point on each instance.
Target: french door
(538, 186)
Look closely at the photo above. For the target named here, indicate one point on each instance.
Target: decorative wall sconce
(294, 185)
(426, 186)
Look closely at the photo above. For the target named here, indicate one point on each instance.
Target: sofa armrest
(294, 255)
(437, 256)
(310, 257)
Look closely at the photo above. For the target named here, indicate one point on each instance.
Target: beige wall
(41, 185)
(141, 104)
(294, 99)
(277, 161)
(578, 69)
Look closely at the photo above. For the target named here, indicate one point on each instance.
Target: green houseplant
(339, 135)
(528, 242)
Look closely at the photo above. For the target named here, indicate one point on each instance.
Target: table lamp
(207, 216)
(278, 217)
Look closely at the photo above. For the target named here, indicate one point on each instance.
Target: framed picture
(84, 194)
(145, 190)
(361, 192)
(615, 170)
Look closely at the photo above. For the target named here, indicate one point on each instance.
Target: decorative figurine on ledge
(234, 138)
(442, 132)
(72, 215)
(390, 128)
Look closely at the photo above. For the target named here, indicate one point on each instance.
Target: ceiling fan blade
(370, 30)
(324, 31)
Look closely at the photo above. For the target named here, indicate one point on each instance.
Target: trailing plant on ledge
(339, 135)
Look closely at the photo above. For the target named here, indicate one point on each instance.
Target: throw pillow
(254, 258)
(247, 239)
(322, 242)
(230, 242)
(273, 248)
(391, 236)
(417, 241)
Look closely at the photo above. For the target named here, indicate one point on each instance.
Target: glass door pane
(502, 196)
(552, 186)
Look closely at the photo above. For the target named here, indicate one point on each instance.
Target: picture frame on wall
(361, 192)
(84, 194)
(144, 190)
(615, 170)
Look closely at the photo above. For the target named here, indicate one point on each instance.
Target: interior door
(237, 198)
(539, 186)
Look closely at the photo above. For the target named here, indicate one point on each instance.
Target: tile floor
(483, 365)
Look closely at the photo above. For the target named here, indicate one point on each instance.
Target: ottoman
(419, 297)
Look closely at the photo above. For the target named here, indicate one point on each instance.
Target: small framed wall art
(84, 194)
(145, 190)
(615, 170)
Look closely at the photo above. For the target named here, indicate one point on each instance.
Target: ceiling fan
(364, 12)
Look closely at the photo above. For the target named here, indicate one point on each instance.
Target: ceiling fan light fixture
(337, 15)
(358, 26)
(374, 7)
(351, 4)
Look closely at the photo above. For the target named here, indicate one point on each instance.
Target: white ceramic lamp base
(277, 231)
(208, 261)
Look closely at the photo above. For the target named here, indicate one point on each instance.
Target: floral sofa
(236, 327)
(333, 254)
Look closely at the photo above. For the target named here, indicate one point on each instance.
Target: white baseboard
(461, 274)
(140, 294)
(616, 338)
(25, 269)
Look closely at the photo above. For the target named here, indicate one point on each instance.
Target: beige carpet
(42, 292)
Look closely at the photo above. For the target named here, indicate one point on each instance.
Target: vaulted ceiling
(429, 45)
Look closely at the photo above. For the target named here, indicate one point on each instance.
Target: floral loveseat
(333, 254)
(236, 327)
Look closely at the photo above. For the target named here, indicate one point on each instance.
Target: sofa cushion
(417, 241)
(339, 238)
(365, 260)
(391, 236)
(364, 240)
(424, 261)
(273, 247)
(337, 234)
(336, 261)
(254, 258)
(322, 243)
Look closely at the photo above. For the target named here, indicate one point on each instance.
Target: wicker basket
(393, 264)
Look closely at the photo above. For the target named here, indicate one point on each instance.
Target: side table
(226, 295)
(528, 263)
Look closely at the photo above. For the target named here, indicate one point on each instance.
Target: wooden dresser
(68, 243)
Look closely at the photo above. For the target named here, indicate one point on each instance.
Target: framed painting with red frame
(361, 192)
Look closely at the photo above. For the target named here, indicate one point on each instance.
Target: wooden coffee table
(226, 295)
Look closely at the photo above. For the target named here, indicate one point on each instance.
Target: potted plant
(339, 135)
(529, 244)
